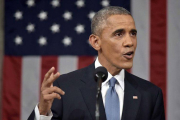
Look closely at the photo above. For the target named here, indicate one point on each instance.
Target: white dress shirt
(119, 86)
(104, 87)
(42, 117)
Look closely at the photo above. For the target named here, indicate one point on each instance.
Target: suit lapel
(131, 105)
(88, 92)
(132, 98)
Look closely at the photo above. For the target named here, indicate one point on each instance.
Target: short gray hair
(101, 16)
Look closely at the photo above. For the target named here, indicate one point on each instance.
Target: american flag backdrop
(40, 34)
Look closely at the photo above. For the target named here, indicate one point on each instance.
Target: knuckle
(56, 88)
(48, 81)
(52, 89)
(54, 94)
(43, 92)
(44, 97)
(46, 75)
(57, 96)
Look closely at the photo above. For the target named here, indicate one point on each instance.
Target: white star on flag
(105, 3)
(91, 15)
(67, 41)
(79, 28)
(18, 40)
(30, 3)
(55, 28)
(42, 41)
(42, 15)
(18, 15)
(67, 15)
(80, 3)
(55, 3)
(30, 27)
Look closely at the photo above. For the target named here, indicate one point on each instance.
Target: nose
(128, 42)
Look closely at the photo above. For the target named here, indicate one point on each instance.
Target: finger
(49, 82)
(48, 74)
(51, 96)
(51, 76)
(52, 90)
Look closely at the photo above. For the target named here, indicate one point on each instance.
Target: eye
(119, 34)
(133, 33)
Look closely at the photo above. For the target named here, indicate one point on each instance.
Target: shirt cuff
(42, 117)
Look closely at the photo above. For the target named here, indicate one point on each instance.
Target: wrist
(42, 112)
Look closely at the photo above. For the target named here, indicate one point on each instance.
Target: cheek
(113, 49)
(115, 54)
(117, 48)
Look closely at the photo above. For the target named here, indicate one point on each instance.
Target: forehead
(124, 21)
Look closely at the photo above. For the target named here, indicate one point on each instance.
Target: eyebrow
(118, 30)
(134, 30)
(121, 30)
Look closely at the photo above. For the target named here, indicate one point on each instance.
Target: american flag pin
(135, 97)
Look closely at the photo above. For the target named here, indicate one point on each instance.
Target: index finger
(48, 74)
(49, 82)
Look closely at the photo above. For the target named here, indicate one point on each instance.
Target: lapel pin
(135, 97)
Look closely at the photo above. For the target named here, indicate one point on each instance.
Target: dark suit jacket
(79, 100)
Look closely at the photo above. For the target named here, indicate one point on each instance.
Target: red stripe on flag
(46, 63)
(11, 88)
(84, 61)
(158, 51)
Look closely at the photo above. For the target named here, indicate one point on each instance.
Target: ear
(95, 41)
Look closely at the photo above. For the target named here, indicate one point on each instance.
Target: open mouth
(128, 55)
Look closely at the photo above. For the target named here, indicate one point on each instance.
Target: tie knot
(112, 82)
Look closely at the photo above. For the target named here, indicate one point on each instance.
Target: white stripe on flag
(140, 11)
(173, 81)
(30, 85)
(67, 64)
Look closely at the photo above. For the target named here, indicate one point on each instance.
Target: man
(123, 95)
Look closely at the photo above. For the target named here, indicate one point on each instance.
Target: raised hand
(49, 92)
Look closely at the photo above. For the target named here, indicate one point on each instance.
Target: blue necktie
(112, 102)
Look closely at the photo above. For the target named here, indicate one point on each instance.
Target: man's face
(118, 42)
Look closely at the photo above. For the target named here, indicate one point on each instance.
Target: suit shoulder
(142, 83)
(74, 76)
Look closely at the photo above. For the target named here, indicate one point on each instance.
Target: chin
(127, 65)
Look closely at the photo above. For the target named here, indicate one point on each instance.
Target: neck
(113, 70)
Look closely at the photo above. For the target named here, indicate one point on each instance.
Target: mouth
(128, 55)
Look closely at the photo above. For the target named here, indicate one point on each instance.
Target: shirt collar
(119, 77)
